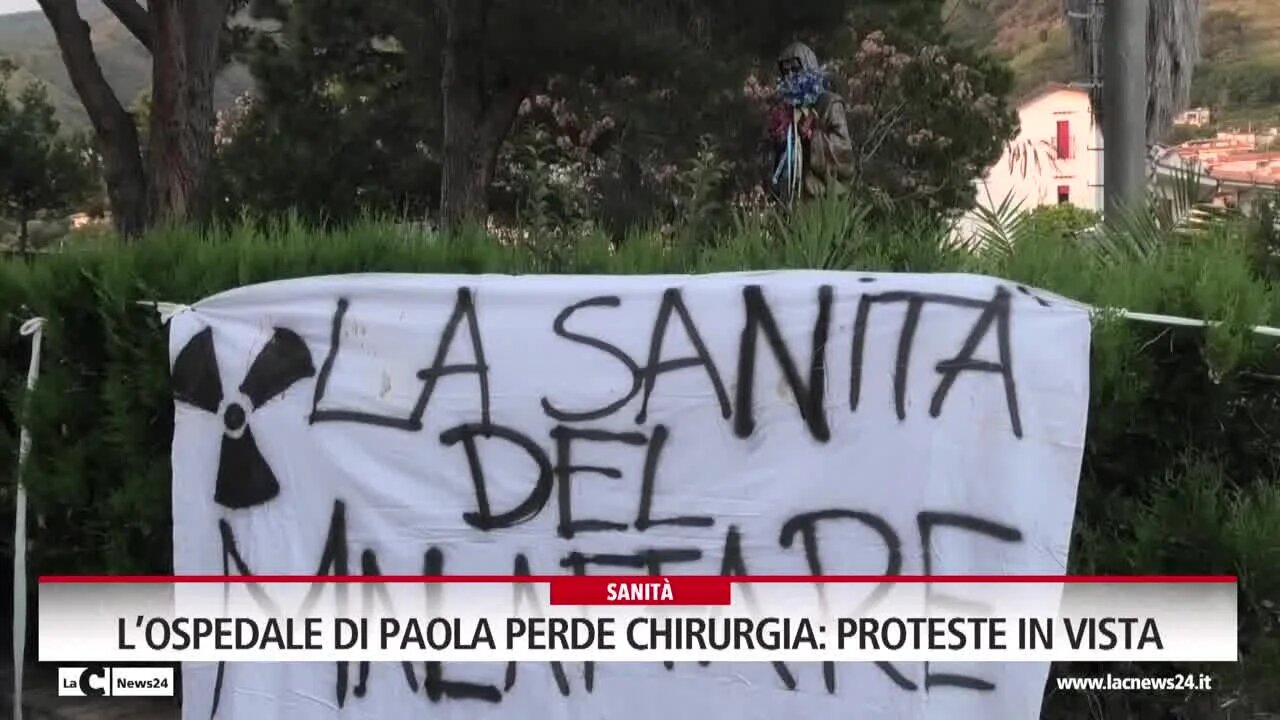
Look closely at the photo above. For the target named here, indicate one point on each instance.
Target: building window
(1064, 139)
(1064, 194)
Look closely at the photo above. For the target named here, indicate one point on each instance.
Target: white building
(1195, 117)
(1055, 159)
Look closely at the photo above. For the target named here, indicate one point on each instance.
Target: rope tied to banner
(166, 310)
(33, 328)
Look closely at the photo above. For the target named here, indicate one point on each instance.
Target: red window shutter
(1064, 139)
(1064, 194)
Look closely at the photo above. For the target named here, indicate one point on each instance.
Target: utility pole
(1124, 99)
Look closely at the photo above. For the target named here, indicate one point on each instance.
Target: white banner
(799, 423)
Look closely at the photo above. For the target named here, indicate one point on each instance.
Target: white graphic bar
(487, 622)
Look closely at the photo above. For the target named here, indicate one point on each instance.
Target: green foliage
(342, 120)
(39, 170)
(350, 98)
(1065, 220)
(347, 116)
(638, 151)
(1247, 84)
(1264, 234)
(1240, 62)
(1224, 35)
(1183, 133)
(926, 119)
(1179, 469)
(1222, 527)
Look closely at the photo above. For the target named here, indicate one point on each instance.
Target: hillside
(1240, 41)
(27, 39)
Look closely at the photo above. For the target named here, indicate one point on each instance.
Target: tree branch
(86, 75)
(500, 109)
(113, 125)
(134, 17)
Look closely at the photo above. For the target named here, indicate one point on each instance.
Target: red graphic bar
(740, 579)
(675, 590)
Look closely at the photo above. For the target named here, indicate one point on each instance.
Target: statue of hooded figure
(825, 152)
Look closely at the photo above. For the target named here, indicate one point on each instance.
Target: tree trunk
(23, 219)
(183, 37)
(472, 141)
(476, 118)
(185, 63)
(117, 138)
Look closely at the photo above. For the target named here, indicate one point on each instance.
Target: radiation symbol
(244, 477)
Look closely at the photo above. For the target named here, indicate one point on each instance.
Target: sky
(13, 6)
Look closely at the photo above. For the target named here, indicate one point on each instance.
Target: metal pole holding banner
(35, 328)
(1124, 99)
(1191, 322)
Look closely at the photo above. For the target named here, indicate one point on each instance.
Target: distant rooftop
(1256, 169)
(1232, 158)
(1045, 89)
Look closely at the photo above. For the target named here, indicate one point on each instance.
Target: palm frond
(1178, 209)
(999, 227)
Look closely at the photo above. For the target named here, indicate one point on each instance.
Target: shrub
(1061, 220)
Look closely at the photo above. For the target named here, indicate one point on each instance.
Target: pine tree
(40, 171)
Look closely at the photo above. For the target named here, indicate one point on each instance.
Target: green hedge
(1180, 466)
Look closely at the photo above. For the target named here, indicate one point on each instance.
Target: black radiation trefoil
(244, 477)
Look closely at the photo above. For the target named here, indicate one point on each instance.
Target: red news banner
(641, 591)
(718, 590)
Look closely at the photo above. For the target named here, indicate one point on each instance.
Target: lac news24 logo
(102, 681)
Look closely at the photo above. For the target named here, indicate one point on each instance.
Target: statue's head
(797, 58)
